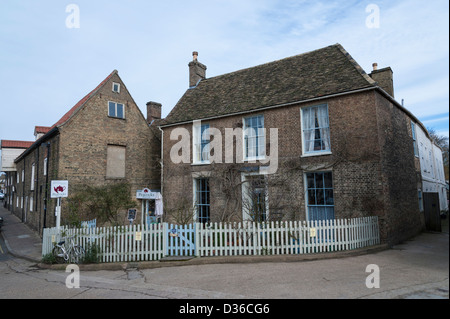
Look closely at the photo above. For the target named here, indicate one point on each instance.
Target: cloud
(49, 68)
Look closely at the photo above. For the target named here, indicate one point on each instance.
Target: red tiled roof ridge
(80, 103)
(42, 129)
(15, 144)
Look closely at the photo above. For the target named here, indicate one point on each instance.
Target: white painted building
(431, 165)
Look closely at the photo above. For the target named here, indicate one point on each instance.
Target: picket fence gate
(155, 241)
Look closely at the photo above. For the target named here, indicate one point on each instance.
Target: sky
(52, 53)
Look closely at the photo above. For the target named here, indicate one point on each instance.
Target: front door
(432, 211)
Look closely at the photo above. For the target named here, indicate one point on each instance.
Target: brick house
(103, 139)
(343, 145)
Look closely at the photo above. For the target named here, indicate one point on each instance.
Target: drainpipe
(162, 166)
(46, 186)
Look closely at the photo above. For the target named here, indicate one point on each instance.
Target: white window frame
(302, 129)
(118, 87)
(115, 110)
(45, 166)
(260, 134)
(33, 168)
(414, 138)
(306, 189)
(195, 197)
(199, 155)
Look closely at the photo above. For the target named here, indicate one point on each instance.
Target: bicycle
(62, 254)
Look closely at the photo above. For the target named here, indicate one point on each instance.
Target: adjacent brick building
(103, 139)
(345, 145)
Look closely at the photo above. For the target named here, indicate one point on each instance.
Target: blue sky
(46, 67)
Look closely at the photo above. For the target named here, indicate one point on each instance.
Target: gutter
(274, 106)
(162, 162)
(383, 92)
(36, 144)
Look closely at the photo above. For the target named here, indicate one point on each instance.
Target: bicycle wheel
(59, 254)
(78, 252)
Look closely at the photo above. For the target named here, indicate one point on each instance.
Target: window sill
(201, 163)
(254, 159)
(117, 118)
(317, 154)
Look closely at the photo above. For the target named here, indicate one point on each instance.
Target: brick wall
(79, 153)
(373, 173)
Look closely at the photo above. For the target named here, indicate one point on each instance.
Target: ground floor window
(202, 199)
(319, 196)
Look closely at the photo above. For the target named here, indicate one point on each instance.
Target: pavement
(23, 242)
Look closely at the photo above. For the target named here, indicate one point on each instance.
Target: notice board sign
(59, 189)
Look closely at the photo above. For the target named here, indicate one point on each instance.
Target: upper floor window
(116, 110)
(33, 168)
(116, 87)
(201, 142)
(316, 129)
(413, 130)
(45, 166)
(254, 137)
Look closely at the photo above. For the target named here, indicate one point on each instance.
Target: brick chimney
(153, 111)
(197, 71)
(384, 77)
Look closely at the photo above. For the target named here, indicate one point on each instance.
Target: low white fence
(152, 242)
(289, 237)
(115, 244)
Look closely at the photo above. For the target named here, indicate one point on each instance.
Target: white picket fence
(290, 237)
(116, 244)
(152, 242)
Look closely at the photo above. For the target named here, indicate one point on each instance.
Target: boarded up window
(115, 162)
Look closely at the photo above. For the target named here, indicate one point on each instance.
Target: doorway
(432, 211)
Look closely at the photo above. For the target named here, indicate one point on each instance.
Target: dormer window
(116, 87)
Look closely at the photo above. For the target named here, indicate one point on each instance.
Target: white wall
(7, 159)
(432, 167)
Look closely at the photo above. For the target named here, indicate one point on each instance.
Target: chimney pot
(197, 71)
(375, 66)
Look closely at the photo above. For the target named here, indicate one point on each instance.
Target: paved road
(416, 269)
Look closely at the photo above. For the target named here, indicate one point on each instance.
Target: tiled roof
(41, 129)
(80, 103)
(65, 117)
(319, 73)
(15, 144)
